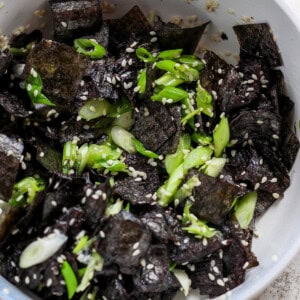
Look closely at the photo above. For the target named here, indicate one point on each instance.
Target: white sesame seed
(124, 63)
(42, 154)
(27, 280)
(244, 243)
(35, 93)
(245, 266)
(153, 40)
(33, 73)
(273, 180)
(233, 153)
(211, 277)
(204, 242)
(250, 81)
(72, 222)
(275, 195)
(275, 136)
(64, 24)
(83, 98)
(129, 50)
(220, 82)
(243, 184)
(152, 33)
(219, 71)
(95, 196)
(136, 245)
(17, 279)
(250, 89)
(246, 136)
(102, 234)
(254, 77)
(89, 192)
(54, 203)
(136, 252)
(5, 291)
(256, 187)
(143, 262)
(261, 161)
(220, 282)
(49, 282)
(150, 267)
(264, 179)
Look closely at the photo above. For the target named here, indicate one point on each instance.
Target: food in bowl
(131, 167)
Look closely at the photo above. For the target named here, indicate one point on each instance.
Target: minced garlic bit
(108, 8)
(176, 20)
(211, 5)
(247, 19)
(216, 37)
(40, 13)
(3, 42)
(231, 11)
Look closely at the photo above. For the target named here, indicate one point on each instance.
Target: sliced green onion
(166, 192)
(244, 209)
(197, 157)
(112, 166)
(170, 54)
(82, 157)
(167, 65)
(184, 281)
(214, 166)
(89, 47)
(197, 227)
(70, 279)
(121, 107)
(123, 138)
(114, 208)
(95, 264)
(24, 191)
(142, 81)
(172, 161)
(204, 101)
(191, 115)
(17, 52)
(170, 93)
(168, 79)
(144, 55)
(127, 208)
(172, 266)
(69, 159)
(81, 273)
(221, 136)
(42, 249)
(82, 244)
(95, 108)
(201, 139)
(142, 150)
(186, 189)
(192, 61)
(34, 86)
(124, 120)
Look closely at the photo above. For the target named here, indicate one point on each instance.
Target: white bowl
(278, 229)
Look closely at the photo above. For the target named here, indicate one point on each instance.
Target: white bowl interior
(278, 229)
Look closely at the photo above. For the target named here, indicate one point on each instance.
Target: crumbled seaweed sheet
(61, 69)
(137, 192)
(126, 242)
(5, 59)
(10, 155)
(185, 247)
(13, 105)
(213, 198)
(172, 36)
(24, 39)
(257, 40)
(225, 268)
(74, 19)
(160, 131)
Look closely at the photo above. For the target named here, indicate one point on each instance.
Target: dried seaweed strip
(75, 18)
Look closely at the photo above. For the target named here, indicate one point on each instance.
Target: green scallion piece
(34, 87)
(197, 227)
(191, 115)
(24, 191)
(123, 138)
(69, 159)
(114, 208)
(127, 208)
(82, 244)
(167, 65)
(168, 79)
(142, 81)
(95, 108)
(201, 138)
(244, 209)
(82, 157)
(112, 166)
(214, 166)
(172, 266)
(70, 279)
(204, 101)
(197, 157)
(144, 55)
(89, 47)
(142, 150)
(172, 161)
(221, 136)
(170, 94)
(170, 54)
(186, 190)
(125, 120)
(192, 61)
